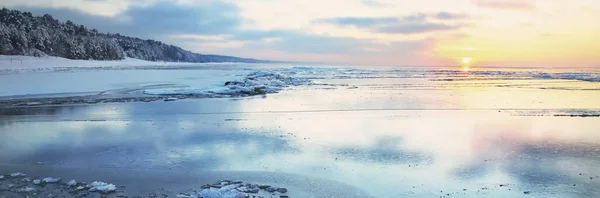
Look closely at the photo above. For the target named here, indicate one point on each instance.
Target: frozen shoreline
(146, 183)
(19, 64)
(255, 83)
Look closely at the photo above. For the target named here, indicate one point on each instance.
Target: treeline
(21, 33)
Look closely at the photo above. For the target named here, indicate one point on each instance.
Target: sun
(466, 63)
(466, 60)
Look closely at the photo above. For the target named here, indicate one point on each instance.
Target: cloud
(415, 17)
(360, 21)
(373, 3)
(154, 21)
(417, 28)
(505, 5)
(218, 27)
(450, 16)
(410, 24)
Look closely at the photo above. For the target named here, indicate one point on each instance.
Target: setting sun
(466, 60)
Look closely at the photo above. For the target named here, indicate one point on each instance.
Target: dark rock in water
(272, 189)
(263, 186)
(205, 186)
(282, 190)
(254, 190)
(526, 192)
(284, 196)
(227, 83)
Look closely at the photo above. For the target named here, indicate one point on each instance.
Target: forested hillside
(21, 33)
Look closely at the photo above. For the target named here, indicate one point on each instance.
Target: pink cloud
(505, 5)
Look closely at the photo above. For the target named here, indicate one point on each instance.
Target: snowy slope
(10, 64)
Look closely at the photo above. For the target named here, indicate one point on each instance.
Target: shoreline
(145, 182)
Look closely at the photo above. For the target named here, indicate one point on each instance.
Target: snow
(50, 180)
(137, 77)
(103, 187)
(37, 181)
(106, 82)
(1, 177)
(9, 64)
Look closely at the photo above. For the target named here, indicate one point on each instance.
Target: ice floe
(255, 83)
(234, 189)
(71, 183)
(102, 187)
(50, 180)
(26, 189)
(17, 174)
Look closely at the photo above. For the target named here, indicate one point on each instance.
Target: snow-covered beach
(318, 131)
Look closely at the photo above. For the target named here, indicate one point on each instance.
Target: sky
(504, 33)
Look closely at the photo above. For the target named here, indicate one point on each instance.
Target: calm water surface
(388, 137)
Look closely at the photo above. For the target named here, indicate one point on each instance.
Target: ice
(591, 77)
(18, 174)
(1, 177)
(170, 99)
(442, 74)
(229, 191)
(182, 195)
(255, 83)
(102, 187)
(27, 189)
(50, 180)
(37, 181)
(109, 82)
(72, 183)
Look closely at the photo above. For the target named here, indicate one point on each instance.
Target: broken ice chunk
(71, 183)
(102, 187)
(27, 189)
(37, 181)
(18, 174)
(50, 180)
